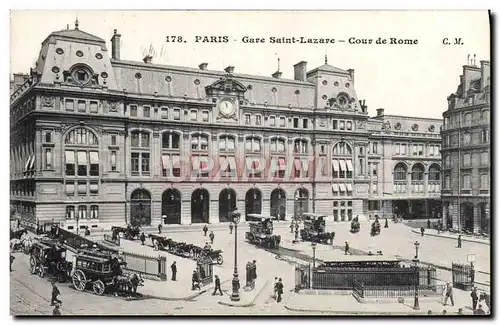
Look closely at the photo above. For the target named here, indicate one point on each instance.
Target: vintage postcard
(250, 163)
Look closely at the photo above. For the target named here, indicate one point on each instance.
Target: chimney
(485, 73)
(300, 71)
(351, 74)
(115, 45)
(148, 59)
(203, 66)
(380, 112)
(277, 74)
(229, 69)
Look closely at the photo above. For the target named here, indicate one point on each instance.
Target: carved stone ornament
(48, 101)
(397, 126)
(414, 127)
(322, 122)
(386, 126)
(432, 128)
(361, 125)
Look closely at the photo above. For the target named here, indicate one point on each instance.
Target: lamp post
(314, 254)
(235, 296)
(416, 305)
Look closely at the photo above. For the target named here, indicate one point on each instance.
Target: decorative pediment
(226, 85)
(80, 75)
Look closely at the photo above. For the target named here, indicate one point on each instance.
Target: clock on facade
(226, 107)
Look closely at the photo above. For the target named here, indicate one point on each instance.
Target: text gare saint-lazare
(295, 40)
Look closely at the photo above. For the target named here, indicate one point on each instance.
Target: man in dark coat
(428, 223)
(279, 290)
(12, 258)
(217, 286)
(211, 236)
(205, 230)
(459, 241)
(55, 293)
(195, 281)
(449, 294)
(143, 238)
(174, 271)
(56, 311)
(231, 228)
(254, 269)
(159, 228)
(474, 297)
(422, 230)
(346, 248)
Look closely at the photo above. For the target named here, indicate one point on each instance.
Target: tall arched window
(140, 156)
(342, 166)
(170, 156)
(400, 172)
(277, 145)
(342, 149)
(170, 140)
(81, 153)
(300, 146)
(199, 142)
(417, 172)
(434, 173)
(252, 144)
(226, 143)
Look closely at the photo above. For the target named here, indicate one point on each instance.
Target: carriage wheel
(33, 269)
(79, 280)
(220, 260)
(251, 237)
(98, 287)
(32, 261)
(41, 271)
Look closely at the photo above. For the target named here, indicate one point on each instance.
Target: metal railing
(395, 291)
(152, 266)
(109, 239)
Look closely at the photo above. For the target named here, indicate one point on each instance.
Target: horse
(128, 283)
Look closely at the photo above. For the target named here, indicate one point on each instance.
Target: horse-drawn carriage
(20, 241)
(375, 228)
(261, 232)
(315, 229)
(184, 249)
(130, 232)
(355, 225)
(104, 273)
(49, 258)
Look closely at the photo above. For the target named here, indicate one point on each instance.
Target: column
(426, 183)
(408, 183)
(454, 214)
(156, 163)
(477, 218)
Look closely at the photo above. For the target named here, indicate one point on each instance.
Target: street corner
(247, 297)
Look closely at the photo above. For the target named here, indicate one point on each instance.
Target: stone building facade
(100, 141)
(467, 152)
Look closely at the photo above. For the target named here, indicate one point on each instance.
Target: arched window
(400, 172)
(300, 146)
(277, 145)
(70, 212)
(170, 140)
(417, 172)
(81, 136)
(342, 149)
(226, 143)
(199, 142)
(434, 173)
(139, 139)
(252, 144)
(140, 156)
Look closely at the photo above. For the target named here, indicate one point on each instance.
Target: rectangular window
(113, 161)
(272, 121)
(447, 182)
(258, 120)
(335, 124)
(82, 188)
(403, 149)
(94, 107)
(295, 122)
(305, 123)
(349, 125)
(415, 150)
(466, 182)
(134, 139)
(164, 113)
(94, 214)
(375, 147)
(193, 115)
(113, 140)
(485, 182)
(282, 121)
(398, 149)
(361, 166)
(82, 163)
(247, 119)
(94, 163)
(177, 114)
(48, 137)
(341, 125)
(145, 162)
(94, 188)
(133, 110)
(421, 150)
(70, 188)
(70, 212)
(70, 163)
(82, 212)
(134, 162)
(145, 140)
(485, 159)
(70, 105)
(466, 160)
(48, 158)
(204, 116)
(82, 106)
(146, 111)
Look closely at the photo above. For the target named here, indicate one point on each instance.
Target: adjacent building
(466, 152)
(99, 141)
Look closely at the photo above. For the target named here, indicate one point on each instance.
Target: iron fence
(302, 277)
(395, 291)
(109, 239)
(463, 276)
(152, 266)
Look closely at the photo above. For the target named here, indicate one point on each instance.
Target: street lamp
(229, 207)
(416, 305)
(314, 254)
(235, 296)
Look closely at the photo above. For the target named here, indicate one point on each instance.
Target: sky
(411, 80)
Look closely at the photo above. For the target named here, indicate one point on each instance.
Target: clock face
(226, 107)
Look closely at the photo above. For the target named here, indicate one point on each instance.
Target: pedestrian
(279, 290)
(211, 236)
(346, 248)
(55, 293)
(428, 223)
(12, 258)
(205, 230)
(472, 273)
(275, 288)
(230, 228)
(291, 227)
(159, 228)
(174, 271)
(195, 281)
(459, 241)
(217, 286)
(254, 262)
(155, 244)
(386, 223)
(143, 238)
(56, 311)
(449, 294)
(422, 230)
(87, 231)
(474, 297)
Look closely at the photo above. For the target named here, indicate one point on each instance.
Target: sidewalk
(247, 298)
(433, 232)
(348, 305)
